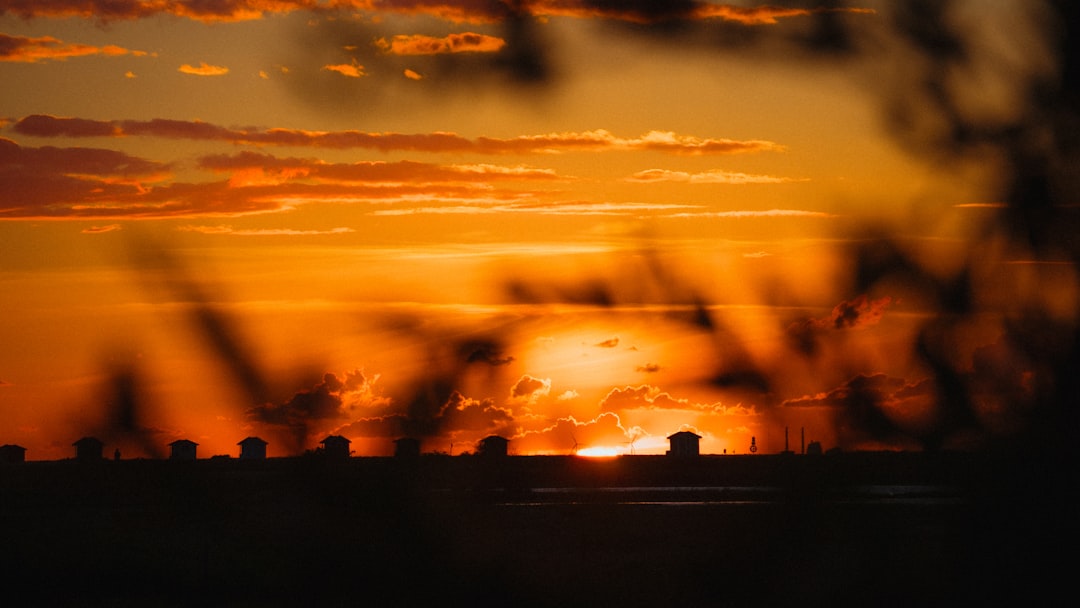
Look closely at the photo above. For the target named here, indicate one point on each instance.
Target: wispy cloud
(707, 177)
(768, 213)
(40, 125)
(229, 230)
(101, 229)
(204, 69)
(263, 169)
(418, 44)
(91, 183)
(21, 49)
(352, 70)
(539, 208)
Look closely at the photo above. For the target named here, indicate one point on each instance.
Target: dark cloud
(484, 351)
(529, 388)
(804, 334)
(459, 416)
(878, 387)
(859, 312)
(42, 125)
(315, 410)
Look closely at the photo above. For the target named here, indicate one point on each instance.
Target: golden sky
(574, 224)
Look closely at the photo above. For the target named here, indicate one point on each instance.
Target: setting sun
(598, 452)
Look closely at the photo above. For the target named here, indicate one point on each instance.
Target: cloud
(541, 208)
(37, 181)
(57, 183)
(111, 10)
(21, 49)
(101, 229)
(567, 433)
(229, 230)
(204, 69)
(649, 368)
(609, 343)
(528, 389)
(458, 416)
(980, 206)
(858, 313)
(646, 397)
(351, 70)
(274, 170)
(314, 410)
(877, 407)
(411, 75)
(40, 125)
(633, 11)
(708, 177)
(640, 397)
(880, 386)
(744, 214)
(467, 42)
(484, 351)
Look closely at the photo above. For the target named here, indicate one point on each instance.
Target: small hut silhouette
(12, 454)
(684, 443)
(407, 447)
(252, 448)
(336, 446)
(182, 449)
(493, 446)
(88, 449)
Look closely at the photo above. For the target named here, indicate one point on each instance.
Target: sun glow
(598, 452)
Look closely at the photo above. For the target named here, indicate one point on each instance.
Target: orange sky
(572, 226)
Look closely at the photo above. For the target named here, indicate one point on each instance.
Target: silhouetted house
(493, 446)
(182, 449)
(12, 454)
(88, 449)
(407, 447)
(684, 443)
(252, 448)
(336, 446)
(813, 448)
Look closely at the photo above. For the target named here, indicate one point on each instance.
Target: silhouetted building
(336, 446)
(814, 448)
(182, 449)
(88, 449)
(12, 454)
(252, 448)
(684, 443)
(407, 447)
(493, 446)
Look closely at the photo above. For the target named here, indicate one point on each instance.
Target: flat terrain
(843, 529)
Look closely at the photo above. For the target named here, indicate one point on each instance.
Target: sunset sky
(578, 225)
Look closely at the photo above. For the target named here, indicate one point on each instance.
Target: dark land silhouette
(886, 528)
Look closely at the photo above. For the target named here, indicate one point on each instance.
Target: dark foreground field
(853, 529)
